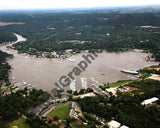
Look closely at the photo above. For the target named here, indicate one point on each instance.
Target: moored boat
(130, 72)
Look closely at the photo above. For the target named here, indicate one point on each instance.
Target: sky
(40, 4)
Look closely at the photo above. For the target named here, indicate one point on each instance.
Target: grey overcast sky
(28, 4)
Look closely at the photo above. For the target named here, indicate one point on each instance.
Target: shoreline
(59, 57)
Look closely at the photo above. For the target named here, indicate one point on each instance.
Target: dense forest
(4, 67)
(111, 31)
(10, 105)
(6, 37)
(15, 103)
(126, 108)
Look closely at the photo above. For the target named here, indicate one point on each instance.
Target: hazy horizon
(72, 4)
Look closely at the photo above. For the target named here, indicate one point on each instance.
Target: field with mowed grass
(61, 112)
(20, 123)
(118, 84)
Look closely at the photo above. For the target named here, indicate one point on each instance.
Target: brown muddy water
(43, 72)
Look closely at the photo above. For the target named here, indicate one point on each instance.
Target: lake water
(43, 72)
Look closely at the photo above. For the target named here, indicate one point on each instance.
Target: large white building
(149, 101)
(114, 124)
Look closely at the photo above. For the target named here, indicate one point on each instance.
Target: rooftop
(54, 122)
(74, 104)
(71, 113)
(124, 126)
(149, 101)
(79, 121)
(114, 124)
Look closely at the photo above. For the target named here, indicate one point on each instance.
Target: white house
(69, 50)
(149, 101)
(114, 124)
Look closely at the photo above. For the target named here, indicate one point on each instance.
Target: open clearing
(10, 23)
(20, 123)
(61, 112)
(118, 84)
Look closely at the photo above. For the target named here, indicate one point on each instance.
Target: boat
(71, 60)
(130, 72)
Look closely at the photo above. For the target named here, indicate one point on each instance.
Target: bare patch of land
(10, 23)
(154, 77)
(85, 95)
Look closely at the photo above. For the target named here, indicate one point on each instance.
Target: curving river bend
(43, 72)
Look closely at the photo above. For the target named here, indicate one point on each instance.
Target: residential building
(74, 105)
(54, 123)
(49, 118)
(79, 121)
(114, 124)
(149, 101)
(72, 112)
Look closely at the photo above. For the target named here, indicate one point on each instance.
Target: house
(78, 33)
(79, 121)
(49, 118)
(123, 126)
(54, 123)
(58, 100)
(74, 105)
(72, 112)
(114, 124)
(54, 53)
(149, 101)
(68, 50)
(61, 126)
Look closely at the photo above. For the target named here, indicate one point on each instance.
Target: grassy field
(74, 124)
(70, 54)
(145, 76)
(62, 112)
(20, 123)
(116, 84)
(153, 66)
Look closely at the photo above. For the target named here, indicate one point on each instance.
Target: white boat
(130, 72)
(24, 82)
(71, 60)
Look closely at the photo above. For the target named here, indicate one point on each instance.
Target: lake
(43, 72)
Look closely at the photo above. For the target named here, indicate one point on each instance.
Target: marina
(73, 85)
(84, 83)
